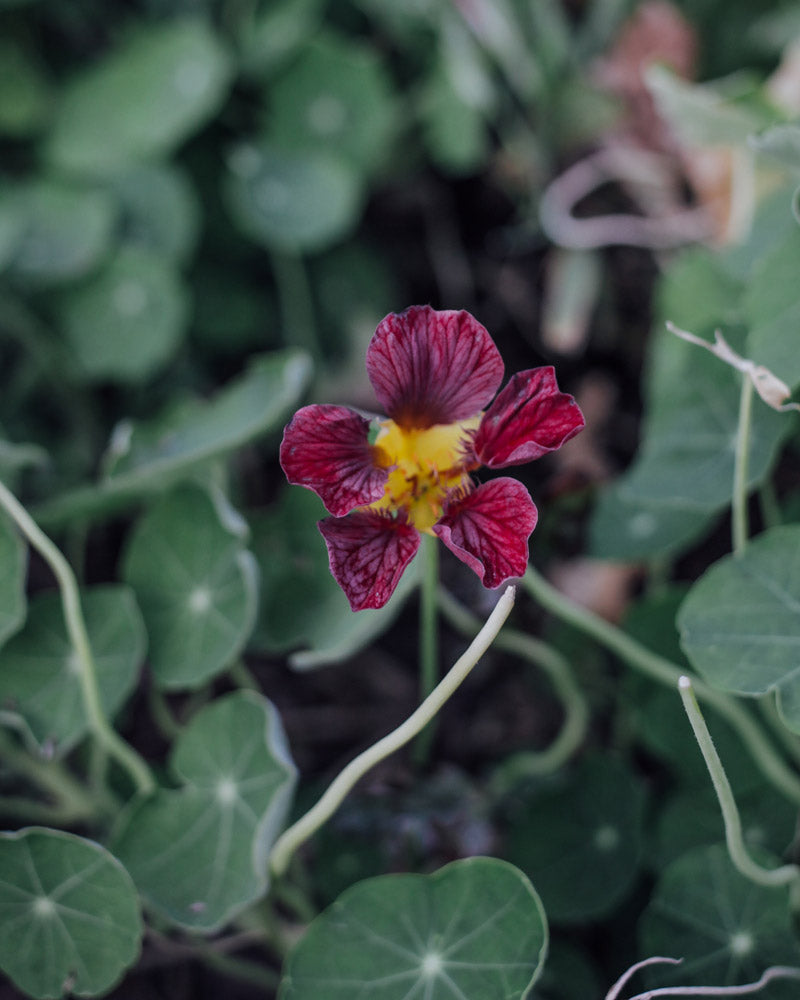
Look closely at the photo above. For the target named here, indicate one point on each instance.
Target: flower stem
(72, 801)
(254, 974)
(660, 669)
(332, 798)
(771, 514)
(740, 527)
(99, 725)
(772, 878)
(428, 637)
(242, 676)
(547, 658)
(787, 739)
(295, 301)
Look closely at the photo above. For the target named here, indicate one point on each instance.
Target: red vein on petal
(433, 367)
(529, 418)
(368, 553)
(489, 528)
(325, 449)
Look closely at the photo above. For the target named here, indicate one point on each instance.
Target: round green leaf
(143, 99)
(631, 530)
(159, 208)
(335, 95)
(39, 670)
(292, 201)
(726, 928)
(272, 34)
(199, 853)
(772, 307)
(63, 233)
(196, 584)
(69, 914)
(740, 623)
(657, 717)
(129, 319)
(768, 821)
(13, 567)
(580, 840)
(475, 929)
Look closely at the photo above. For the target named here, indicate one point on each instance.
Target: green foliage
(128, 320)
(588, 861)
(152, 455)
(196, 584)
(13, 560)
(772, 309)
(687, 456)
(681, 477)
(740, 623)
(292, 201)
(57, 231)
(335, 96)
(475, 928)
(40, 673)
(726, 929)
(198, 853)
(69, 912)
(141, 100)
(205, 210)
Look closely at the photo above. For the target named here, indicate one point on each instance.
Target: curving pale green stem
(660, 669)
(739, 519)
(576, 712)
(99, 725)
(772, 878)
(307, 825)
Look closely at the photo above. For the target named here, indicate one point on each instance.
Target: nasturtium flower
(386, 480)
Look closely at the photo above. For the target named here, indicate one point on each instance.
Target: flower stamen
(425, 467)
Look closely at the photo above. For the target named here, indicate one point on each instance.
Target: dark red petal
(368, 553)
(326, 449)
(529, 418)
(429, 367)
(489, 530)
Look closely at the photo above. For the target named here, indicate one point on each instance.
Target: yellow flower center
(424, 466)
